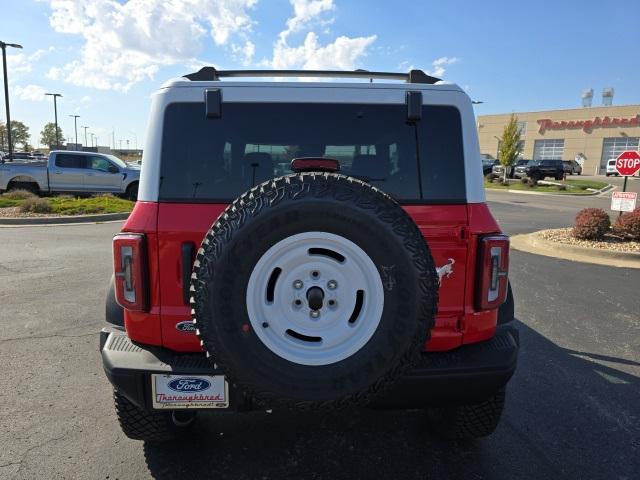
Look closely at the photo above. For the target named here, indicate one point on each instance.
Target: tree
(48, 136)
(3, 137)
(510, 146)
(19, 135)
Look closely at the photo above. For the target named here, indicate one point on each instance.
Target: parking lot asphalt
(572, 408)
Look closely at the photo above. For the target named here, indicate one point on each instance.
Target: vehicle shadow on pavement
(568, 416)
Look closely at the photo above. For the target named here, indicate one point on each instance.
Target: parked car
(487, 166)
(22, 156)
(571, 167)
(314, 289)
(541, 169)
(498, 170)
(67, 171)
(611, 168)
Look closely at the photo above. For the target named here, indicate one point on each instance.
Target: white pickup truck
(66, 171)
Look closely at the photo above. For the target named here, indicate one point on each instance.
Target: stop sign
(628, 163)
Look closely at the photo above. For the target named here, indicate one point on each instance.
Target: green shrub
(591, 224)
(18, 194)
(489, 177)
(628, 225)
(36, 205)
(524, 180)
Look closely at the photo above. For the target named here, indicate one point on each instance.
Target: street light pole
(85, 135)
(75, 124)
(55, 113)
(6, 92)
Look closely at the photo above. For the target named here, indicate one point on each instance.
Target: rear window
(65, 160)
(215, 160)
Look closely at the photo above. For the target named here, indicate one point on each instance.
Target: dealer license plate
(189, 391)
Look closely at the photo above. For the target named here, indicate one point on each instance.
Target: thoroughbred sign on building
(590, 135)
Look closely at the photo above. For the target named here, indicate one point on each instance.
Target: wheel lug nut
(314, 313)
(298, 284)
(332, 284)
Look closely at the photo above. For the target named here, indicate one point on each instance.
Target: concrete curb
(524, 192)
(104, 217)
(533, 243)
(591, 193)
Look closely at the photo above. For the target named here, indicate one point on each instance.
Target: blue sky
(106, 57)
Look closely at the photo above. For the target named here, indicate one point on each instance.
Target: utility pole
(75, 124)
(113, 137)
(55, 114)
(6, 92)
(85, 134)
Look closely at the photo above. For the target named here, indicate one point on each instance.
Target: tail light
(492, 272)
(130, 269)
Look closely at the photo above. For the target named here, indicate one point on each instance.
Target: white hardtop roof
(181, 82)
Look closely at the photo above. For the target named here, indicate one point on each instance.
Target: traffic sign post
(627, 164)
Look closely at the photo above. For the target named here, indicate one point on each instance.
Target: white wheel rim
(280, 310)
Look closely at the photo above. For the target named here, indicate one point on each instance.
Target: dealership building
(590, 135)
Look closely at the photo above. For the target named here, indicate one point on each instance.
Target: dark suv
(541, 169)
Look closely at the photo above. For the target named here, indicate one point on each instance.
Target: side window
(99, 163)
(441, 154)
(66, 160)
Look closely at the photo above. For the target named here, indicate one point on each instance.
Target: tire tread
(317, 185)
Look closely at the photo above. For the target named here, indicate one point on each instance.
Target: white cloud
(125, 43)
(439, 65)
(54, 73)
(343, 53)
(22, 63)
(31, 93)
(244, 54)
(304, 12)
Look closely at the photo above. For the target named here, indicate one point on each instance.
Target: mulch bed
(610, 241)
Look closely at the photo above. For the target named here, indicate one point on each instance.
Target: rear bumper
(468, 374)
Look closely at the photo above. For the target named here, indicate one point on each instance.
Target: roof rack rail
(209, 74)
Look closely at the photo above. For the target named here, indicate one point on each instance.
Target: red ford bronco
(310, 245)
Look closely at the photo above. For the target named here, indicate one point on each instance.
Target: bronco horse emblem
(445, 271)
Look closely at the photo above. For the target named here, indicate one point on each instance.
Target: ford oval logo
(187, 326)
(188, 384)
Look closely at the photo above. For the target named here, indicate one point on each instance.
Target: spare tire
(314, 290)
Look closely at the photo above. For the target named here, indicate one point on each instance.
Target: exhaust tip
(182, 418)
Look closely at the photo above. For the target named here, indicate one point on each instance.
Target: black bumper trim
(468, 374)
